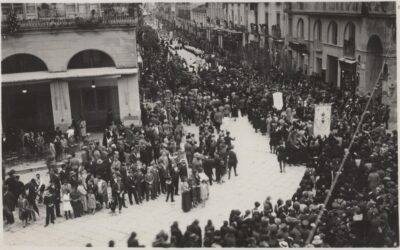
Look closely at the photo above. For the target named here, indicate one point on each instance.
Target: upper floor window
(332, 33)
(90, 59)
(300, 28)
(20, 63)
(317, 31)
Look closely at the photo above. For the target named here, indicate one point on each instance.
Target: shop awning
(349, 61)
(41, 76)
(299, 47)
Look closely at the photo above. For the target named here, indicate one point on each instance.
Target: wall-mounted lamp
(24, 91)
(93, 84)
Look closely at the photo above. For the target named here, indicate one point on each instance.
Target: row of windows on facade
(20, 63)
(349, 31)
(44, 10)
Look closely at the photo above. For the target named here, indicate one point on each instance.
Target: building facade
(69, 61)
(349, 44)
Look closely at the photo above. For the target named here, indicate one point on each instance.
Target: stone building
(349, 44)
(65, 61)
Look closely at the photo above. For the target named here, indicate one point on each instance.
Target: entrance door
(318, 66)
(332, 69)
(94, 104)
(30, 111)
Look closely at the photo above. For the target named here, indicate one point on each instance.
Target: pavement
(258, 178)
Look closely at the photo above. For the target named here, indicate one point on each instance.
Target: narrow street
(258, 177)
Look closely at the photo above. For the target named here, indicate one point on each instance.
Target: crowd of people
(137, 162)
(40, 144)
(363, 207)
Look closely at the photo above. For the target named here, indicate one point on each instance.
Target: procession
(259, 158)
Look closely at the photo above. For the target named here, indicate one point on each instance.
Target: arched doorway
(374, 61)
(97, 98)
(25, 105)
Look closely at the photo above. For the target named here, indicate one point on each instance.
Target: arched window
(332, 33)
(350, 32)
(20, 63)
(300, 28)
(317, 31)
(90, 59)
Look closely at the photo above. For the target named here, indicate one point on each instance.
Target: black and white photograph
(199, 124)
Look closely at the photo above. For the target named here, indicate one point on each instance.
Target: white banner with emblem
(322, 119)
(278, 100)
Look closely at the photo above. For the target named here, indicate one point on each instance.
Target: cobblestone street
(258, 177)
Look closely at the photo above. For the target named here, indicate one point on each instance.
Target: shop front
(348, 75)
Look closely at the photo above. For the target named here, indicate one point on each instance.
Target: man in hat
(117, 191)
(56, 184)
(170, 189)
(149, 182)
(49, 201)
(231, 161)
(131, 188)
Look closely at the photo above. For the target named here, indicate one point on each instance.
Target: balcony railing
(66, 23)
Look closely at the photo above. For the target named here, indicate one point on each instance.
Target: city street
(258, 177)
(104, 92)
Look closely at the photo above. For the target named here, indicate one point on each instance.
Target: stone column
(60, 103)
(129, 100)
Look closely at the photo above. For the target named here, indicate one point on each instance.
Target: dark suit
(8, 207)
(57, 196)
(131, 188)
(232, 161)
(208, 168)
(117, 191)
(49, 201)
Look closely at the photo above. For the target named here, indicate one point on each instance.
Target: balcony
(264, 29)
(72, 23)
(276, 31)
(349, 49)
(317, 46)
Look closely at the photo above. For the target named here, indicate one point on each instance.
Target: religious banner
(278, 100)
(322, 120)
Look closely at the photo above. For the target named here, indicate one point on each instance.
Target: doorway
(332, 70)
(94, 104)
(27, 107)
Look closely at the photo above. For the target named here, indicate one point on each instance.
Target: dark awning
(299, 47)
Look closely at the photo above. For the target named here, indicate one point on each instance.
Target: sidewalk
(30, 167)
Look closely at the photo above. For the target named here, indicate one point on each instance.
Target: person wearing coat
(49, 201)
(117, 191)
(176, 236)
(170, 189)
(186, 196)
(8, 205)
(208, 168)
(231, 161)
